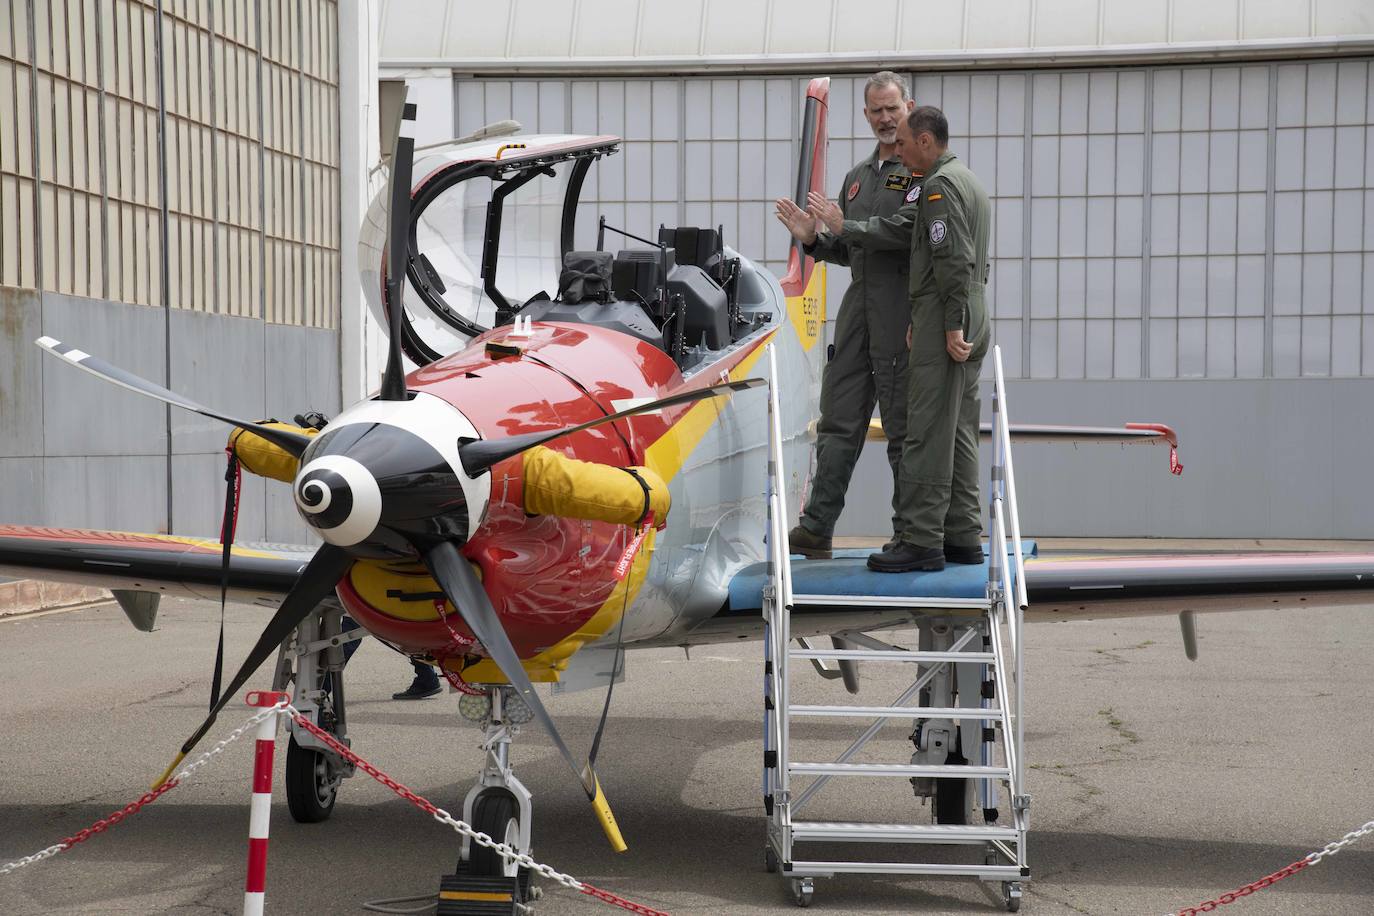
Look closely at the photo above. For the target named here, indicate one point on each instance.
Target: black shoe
(907, 558)
(418, 690)
(969, 555)
(811, 546)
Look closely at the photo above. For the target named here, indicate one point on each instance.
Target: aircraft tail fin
(804, 282)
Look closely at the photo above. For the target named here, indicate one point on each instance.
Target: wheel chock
(478, 895)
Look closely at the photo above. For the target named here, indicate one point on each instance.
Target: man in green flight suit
(869, 363)
(947, 229)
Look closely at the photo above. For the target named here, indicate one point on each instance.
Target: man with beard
(869, 361)
(946, 234)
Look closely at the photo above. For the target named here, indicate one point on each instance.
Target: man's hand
(955, 345)
(801, 224)
(908, 337)
(825, 210)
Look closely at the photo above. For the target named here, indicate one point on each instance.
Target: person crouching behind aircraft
(869, 363)
(946, 229)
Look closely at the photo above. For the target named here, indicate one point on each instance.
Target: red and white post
(255, 885)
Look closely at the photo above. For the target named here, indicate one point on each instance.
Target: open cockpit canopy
(493, 233)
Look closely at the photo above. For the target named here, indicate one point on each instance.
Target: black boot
(907, 558)
(969, 555)
(426, 684)
(811, 546)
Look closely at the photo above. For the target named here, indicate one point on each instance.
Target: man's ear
(910, 105)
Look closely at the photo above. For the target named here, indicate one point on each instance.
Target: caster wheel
(1011, 895)
(770, 860)
(312, 783)
(803, 889)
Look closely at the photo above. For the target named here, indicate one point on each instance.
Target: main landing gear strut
(313, 659)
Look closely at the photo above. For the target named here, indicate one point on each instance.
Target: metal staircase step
(901, 601)
(905, 712)
(899, 833)
(830, 869)
(897, 769)
(892, 655)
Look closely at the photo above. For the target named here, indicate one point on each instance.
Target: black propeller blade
(291, 442)
(316, 583)
(480, 455)
(456, 577)
(397, 243)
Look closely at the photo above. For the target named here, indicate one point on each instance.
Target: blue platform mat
(848, 575)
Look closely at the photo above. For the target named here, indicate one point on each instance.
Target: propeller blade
(291, 442)
(397, 243)
(316, 583)
(481, 454)
(456, 577)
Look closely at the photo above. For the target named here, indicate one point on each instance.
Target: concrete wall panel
(83, 415)
(123, 493)
(21, 491)
(21, 374)
(218, 361)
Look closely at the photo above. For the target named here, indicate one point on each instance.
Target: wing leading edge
(164, 564)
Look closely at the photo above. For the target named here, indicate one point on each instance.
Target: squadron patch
(937, 232)
(853, 190)
(897, 182)
(913, 194)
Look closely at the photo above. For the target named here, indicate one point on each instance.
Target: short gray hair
(885, 78)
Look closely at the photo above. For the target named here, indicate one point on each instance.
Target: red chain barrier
(432, 810)
(106, 823)
(1245, 891)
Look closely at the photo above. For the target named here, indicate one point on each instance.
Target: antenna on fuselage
(397, 243)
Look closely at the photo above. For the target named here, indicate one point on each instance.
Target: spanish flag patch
(936, 197)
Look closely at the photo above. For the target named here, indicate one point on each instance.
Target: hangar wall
(169, 184)
(1160, 233)
(1183, 205)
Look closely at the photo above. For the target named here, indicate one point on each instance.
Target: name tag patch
(897, 182)
(937, 232)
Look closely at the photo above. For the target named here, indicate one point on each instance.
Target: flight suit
(869, 364)
(947, 231)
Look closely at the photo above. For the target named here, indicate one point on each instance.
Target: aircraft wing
(1059, 587)
(159, 563)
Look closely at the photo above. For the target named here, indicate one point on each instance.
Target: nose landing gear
(498, 805)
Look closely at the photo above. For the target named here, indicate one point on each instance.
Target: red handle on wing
(1169, 436)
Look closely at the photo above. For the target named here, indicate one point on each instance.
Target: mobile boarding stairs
(967, 685)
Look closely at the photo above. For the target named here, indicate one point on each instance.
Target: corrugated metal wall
(220, 118)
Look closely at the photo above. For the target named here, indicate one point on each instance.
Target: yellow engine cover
(555, 484)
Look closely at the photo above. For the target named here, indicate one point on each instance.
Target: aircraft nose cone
(340, 498)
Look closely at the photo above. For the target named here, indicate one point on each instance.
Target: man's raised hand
(826, 211)
(801, 224)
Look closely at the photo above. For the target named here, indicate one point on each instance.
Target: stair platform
(847, 580)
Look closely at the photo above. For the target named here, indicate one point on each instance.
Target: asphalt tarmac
(1158, 783)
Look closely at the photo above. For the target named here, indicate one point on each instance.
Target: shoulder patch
(897, 182)
(853, 191)
(913, 194)
(934, 196)
(937, 232)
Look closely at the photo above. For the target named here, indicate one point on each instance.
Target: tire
(951, 795)
(497, 815)
(311, 789)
